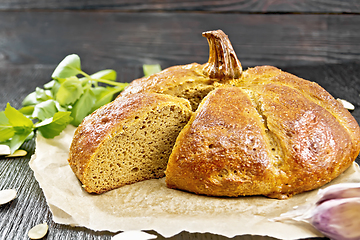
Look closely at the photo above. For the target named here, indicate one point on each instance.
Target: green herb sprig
(70, 96)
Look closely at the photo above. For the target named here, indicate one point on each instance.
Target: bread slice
(127, 140)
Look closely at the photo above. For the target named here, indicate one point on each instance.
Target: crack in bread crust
(272, 139)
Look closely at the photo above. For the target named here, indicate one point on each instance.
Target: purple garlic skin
(336, 213)
(338, 219)
(338, 191)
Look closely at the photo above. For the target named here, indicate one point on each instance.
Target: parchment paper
(150, 205)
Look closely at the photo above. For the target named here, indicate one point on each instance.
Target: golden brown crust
(260, 132)
(186, 81)
(315, 147)
(310, 90)
(222, 68)
(105, 121)
(222, 151)
(304, 138)
(168, 79)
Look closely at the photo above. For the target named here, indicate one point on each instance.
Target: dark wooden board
(125, 41)
(257, 6)
(35, 42)
(123, 35)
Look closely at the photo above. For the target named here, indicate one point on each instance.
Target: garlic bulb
(338, 219)
(336, 213)
(341, 190)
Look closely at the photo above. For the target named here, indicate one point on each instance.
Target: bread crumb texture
(129, 142)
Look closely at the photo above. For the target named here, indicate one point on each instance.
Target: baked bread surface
(256, 132)
(274, 134)
(127, 140)
(184, 81)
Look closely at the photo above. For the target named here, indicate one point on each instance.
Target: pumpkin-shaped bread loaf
(256, 132)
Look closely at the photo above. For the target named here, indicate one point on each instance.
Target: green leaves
(16, 118)
(44, 110)
(105, 74)
(70, 96)
(6, 130)
(72, 90)
(68, 67)
(55, 125)
(83, 106)
(103, 96)
(69, 91)
(36, 97)
(14, 127)
(151, 69)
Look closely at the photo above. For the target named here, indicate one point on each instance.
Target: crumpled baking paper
(138, 235)
(150, 205)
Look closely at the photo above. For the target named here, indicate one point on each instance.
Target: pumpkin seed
(4, 149)
(18, 153)
(346, 104)
(7, 195)
(39, 231)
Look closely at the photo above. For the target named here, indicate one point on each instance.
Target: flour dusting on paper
(150, 205)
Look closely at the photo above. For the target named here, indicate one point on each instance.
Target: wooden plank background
(314, 39)
(124, 41)
(257, 6)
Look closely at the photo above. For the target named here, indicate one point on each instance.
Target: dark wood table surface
(316, 40)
